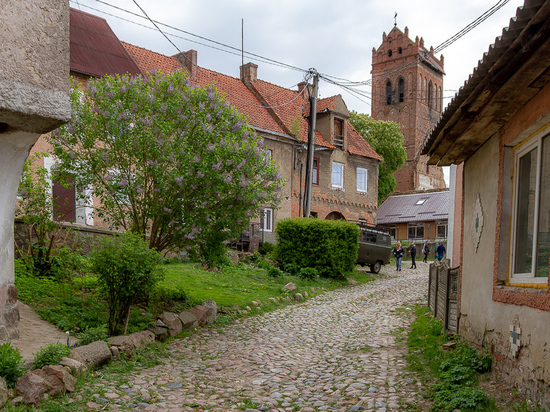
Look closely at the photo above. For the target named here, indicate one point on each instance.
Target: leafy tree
(168, 160)
(386, 140)
(35, 208)
(127, 272)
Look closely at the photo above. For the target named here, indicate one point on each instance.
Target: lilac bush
(168, 160)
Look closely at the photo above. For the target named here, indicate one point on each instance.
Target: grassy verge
(452, 376)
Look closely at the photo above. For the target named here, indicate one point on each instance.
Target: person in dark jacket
(426, 252)
(398, 252)
(440, 251)
(413, 255)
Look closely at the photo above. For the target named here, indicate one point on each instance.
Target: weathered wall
(34, 99)
(484, 320)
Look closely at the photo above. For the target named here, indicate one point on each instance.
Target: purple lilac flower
(240, 165)
(237, 126)
(179, 180)
(211, 94)
(167, 210)
(228, 179)
(197, 159)
(200, 174)
(123, 183)
(211, 147)
(156, 190)
(152, 162)
(140, 190)
(261, 142)
(203, 204)
(201, 106)
(193, 187)
(107, 177)
(217, 166)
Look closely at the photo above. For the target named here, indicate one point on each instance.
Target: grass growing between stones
(451, 376)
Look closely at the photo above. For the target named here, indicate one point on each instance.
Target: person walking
(413, 255)
(398, 252)
(426, 252)
(440, 251)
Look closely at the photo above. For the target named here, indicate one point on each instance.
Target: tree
(386, 140)
(35, 208)
(168, 160)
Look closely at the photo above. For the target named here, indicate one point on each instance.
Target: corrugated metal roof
(417, 207)
(95, 49)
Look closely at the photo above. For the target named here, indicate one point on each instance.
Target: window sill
(340, 189)
(362, 192)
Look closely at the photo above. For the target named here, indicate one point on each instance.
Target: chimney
(188, 61)
(249, 73)
(302, 86)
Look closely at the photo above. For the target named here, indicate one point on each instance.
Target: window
(399, 50)
(338, 139)
(441, 230)
(388, 93)
(401, 90)
(266, 219)
(337, 175)
(392, 230)
(531, 212)
(430, 95)
(315, 179)
(362, 180)
(416, 231)
(389, 53)
(421, 201)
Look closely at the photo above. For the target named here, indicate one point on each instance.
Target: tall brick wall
(416, 106)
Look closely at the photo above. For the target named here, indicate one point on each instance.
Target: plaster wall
(484, 321)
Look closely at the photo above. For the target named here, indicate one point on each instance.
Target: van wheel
(375, 268)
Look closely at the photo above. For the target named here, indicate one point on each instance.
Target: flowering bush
(166, 159)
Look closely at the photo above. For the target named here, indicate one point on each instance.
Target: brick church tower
(407, 88)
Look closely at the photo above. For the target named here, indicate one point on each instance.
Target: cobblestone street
(335, 352)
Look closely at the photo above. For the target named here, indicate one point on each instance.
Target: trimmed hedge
(330, 246)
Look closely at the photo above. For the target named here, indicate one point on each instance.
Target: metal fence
(443, 294)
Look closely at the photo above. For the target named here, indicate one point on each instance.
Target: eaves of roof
(512, 72)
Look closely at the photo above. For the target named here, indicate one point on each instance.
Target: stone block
(31, 386)
(201, 313)
(173, 322)
(189, 320)
(212, 308)
(94, 354)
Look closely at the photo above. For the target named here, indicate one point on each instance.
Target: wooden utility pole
(311, 142)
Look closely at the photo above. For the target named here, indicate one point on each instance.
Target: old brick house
(407, 88)
(345, 176)
(497, 131)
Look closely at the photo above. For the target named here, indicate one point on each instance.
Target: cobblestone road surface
(334, 352)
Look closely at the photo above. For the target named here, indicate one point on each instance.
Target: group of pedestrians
(399, 252)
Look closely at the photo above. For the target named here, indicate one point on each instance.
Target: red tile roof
(284, 106)
(95, 50)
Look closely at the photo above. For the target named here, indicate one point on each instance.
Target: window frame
(441, 224)
(520, 151)
(365, 190)
(416, 226)
(266, 219)
(316, 167)
(341, 183)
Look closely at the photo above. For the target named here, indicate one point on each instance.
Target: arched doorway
(335, 216)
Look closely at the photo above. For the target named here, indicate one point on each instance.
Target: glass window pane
(337, 174)
(543, 240)
(420, 232)
(526, 187)
(361, 180)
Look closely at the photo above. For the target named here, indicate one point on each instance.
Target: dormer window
(338, 139)
(389, 53)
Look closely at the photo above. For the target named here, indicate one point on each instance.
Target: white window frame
(266, 219)
(519, 151)
(340, 183)
(362, 189)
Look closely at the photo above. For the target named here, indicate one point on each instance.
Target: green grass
(76, 305)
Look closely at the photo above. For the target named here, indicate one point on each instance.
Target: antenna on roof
(395, 20)
(242, 41)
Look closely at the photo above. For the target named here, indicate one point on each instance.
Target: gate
(443, 294)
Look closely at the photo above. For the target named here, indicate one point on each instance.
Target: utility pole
(311, 142)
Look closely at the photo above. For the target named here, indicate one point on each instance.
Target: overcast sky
(334, 37)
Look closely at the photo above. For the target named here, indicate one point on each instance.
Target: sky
(334, 37)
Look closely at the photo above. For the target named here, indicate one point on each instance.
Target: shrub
(127, 270)
(11, 364)
(308, 273)
(330, 246)
(92, 335)
(266, 248)
(275, 272)
(292, 269)
(50, 355)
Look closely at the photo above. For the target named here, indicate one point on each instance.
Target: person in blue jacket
(440, 251)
